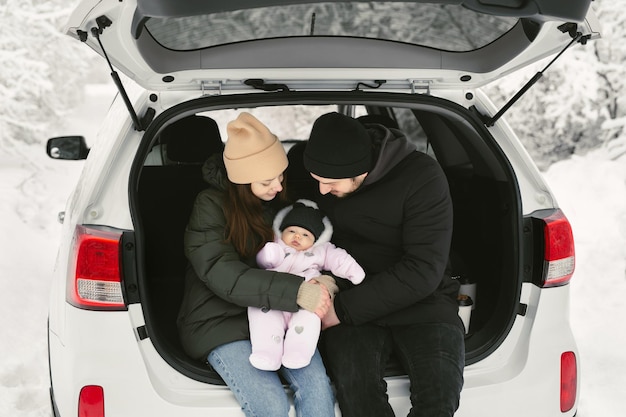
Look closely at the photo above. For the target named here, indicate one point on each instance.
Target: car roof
(168, 45)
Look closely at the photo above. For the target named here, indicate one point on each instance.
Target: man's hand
(330, 319)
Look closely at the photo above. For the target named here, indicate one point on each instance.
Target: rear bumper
(101, 348)
(521, 378)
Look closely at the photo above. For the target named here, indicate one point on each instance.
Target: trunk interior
(486, 243)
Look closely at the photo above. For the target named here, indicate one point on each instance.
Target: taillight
(569, 381)
(91, 401)
(559, 258)
(97, 281)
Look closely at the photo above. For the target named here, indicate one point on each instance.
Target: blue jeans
(432, 354)
(261, 393)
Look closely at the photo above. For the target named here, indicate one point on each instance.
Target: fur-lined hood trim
(324, 237)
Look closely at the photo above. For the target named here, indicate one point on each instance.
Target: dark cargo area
(486, 240)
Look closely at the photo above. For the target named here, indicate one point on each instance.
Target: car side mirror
(71, 148)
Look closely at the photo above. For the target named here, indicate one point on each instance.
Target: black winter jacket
(398, 226)
(219, 285)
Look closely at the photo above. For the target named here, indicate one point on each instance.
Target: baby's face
(297, 237)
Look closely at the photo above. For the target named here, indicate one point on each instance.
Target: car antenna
(576, 37)
(104, 22)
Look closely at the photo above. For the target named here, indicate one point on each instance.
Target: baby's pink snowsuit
(291, 338)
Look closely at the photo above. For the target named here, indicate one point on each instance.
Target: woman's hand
(314, 297)
(329, 283)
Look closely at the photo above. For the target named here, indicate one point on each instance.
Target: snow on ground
(592, 192)
(33, 189)
(590, 189)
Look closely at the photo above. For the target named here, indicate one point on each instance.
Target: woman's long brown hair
(246, 228)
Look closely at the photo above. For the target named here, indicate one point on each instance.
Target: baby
(302, 247)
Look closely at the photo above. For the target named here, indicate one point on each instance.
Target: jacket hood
(324, 237)
(214, 172)
(391, 146)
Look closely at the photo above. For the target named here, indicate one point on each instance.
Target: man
(391, 210)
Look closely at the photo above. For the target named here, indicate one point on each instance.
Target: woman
(229, 224)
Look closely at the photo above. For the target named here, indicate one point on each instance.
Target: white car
(184, 68)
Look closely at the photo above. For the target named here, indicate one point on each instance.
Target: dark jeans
(432, 354)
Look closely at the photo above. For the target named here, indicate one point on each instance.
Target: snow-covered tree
(578, 104)
(567, 110)
(42, 69)
(611, 58)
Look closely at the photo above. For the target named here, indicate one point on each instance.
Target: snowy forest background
(43, 71)
(572, 122)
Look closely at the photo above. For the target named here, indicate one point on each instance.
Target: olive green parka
(219, 284)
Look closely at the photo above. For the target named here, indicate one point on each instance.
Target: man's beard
(356, 184)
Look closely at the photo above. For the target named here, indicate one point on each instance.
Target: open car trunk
(487, 241)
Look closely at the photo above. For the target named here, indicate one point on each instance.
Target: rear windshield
(445, 27)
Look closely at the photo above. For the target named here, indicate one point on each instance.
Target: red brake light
(569, 380)
(559, 257)
(97, 281)
(91, 401)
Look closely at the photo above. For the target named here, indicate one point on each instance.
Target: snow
(591, 190)
(34, 188)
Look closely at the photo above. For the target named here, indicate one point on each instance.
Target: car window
(286, 122)
(404, 119)
(293, 123)
(446, 27)
(412, 128)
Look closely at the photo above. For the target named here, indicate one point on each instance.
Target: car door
(170, 45)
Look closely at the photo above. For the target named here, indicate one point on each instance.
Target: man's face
(339, 187)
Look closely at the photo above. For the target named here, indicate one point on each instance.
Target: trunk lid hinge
(139, 124)
(577, 37)
(211, 88)
(420, 86)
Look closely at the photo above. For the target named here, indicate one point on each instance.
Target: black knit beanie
(306, 217)
(339, 147)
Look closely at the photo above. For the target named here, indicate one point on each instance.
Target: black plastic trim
(477, 348)
(129, 271)
(142, 333)
(538, 243)
(53, 404)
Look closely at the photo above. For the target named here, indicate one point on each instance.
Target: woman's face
(267, 190)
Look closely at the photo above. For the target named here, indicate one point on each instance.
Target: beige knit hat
(252, 153)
